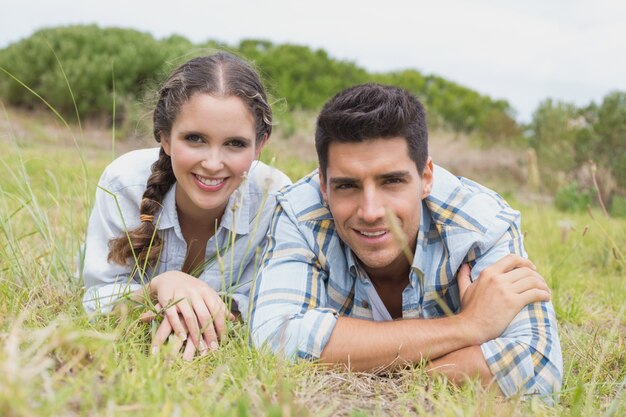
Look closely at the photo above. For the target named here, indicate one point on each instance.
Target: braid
(144, 242)
(221, 75)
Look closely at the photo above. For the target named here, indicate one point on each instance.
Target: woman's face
(212, 144)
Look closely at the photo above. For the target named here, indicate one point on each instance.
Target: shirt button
(365, 304)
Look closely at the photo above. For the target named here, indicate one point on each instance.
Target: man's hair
(372, 111)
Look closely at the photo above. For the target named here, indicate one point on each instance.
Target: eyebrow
(385, 176)
(393, 174)
(342, 180)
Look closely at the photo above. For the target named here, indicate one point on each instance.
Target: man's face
(367, 182)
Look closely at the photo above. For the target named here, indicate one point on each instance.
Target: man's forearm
(462, 364)
(367, 345)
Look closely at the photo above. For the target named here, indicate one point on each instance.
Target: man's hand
(502, 290)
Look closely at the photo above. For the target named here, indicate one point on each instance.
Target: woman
(198, 206)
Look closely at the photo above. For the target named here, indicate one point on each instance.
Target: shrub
(604, 138)
(95, 59)
(92, 58)
(573, 198)
(618, 206)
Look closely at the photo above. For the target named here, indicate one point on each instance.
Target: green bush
(566, 137)
(604, 137)
(618, 206)
(573, 198)
(304, 78)
(554, 135)
(93, 59)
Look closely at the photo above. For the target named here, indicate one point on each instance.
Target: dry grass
(55, 362)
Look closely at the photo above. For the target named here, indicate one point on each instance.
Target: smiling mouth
(210, 182)
(372, 234)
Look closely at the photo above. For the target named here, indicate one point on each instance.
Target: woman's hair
(220, 75)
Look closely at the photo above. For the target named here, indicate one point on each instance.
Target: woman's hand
(164, 331)
(195, 309)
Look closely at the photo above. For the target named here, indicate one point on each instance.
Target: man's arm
(289, 311)
(526, 357)
(462, 364)
(489, 306)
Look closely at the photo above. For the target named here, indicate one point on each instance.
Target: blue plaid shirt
(310, 277)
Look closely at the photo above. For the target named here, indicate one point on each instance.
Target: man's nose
(371, 208)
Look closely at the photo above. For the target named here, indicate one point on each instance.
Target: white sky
(522, 51)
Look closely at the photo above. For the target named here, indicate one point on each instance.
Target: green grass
(55, 362)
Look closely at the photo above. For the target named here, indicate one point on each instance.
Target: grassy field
(55, 362)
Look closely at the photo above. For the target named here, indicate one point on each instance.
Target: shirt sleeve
(288, 294)
(106, 282)
(269, 180)
(527, 356)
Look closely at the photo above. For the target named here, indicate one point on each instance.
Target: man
(367, 262)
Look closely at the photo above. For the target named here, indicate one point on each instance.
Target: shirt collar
(236, 217)
(351, 262)
(168, 216)
(421, 245)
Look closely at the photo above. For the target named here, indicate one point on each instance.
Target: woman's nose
(212, 161)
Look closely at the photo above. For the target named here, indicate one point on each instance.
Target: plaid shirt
(309, 278)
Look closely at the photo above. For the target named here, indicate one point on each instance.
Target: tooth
(210, 182)
(373, 234)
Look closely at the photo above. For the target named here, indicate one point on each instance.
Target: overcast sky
(522, 51)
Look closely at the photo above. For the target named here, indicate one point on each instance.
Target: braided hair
(220, 75)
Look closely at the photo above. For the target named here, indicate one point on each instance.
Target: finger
(518, 274)
(528, 283)
(148, 316)
(161, 335)
(177, 326)
(190, 351)
(463, 279)
(174, 343)
(534, 295)
(508, 263)
(191, 320)
(206, 325)
(210, 336)
(218, 312)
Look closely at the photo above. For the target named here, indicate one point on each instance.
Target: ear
(427, 178)
(165, 142)
(259, 146)
(323, 187)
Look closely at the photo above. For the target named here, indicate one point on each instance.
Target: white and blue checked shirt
(247, 216)
(309, 278)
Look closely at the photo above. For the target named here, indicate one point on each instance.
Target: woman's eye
(193, 138)
(236, 143)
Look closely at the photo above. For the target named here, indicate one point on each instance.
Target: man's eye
(394, 181)
(344, 186)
